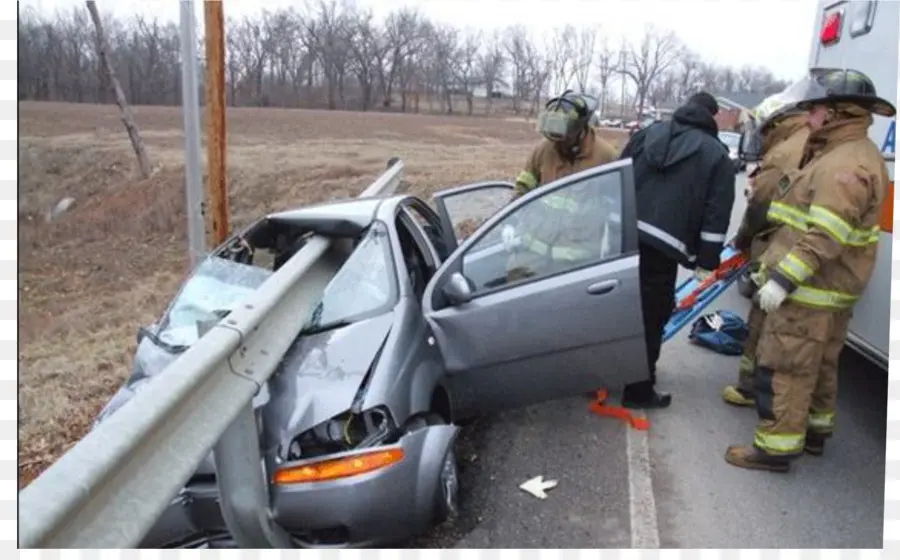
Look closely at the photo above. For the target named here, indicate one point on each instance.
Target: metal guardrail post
(111, 487)
(243, 488)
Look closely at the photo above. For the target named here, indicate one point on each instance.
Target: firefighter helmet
(565, 117)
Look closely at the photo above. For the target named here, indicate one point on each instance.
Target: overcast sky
(772, 33)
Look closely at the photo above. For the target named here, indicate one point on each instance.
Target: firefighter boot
(815, 443)
(736, 396)
(749, 457)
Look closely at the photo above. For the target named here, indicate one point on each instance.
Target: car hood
(319, 378)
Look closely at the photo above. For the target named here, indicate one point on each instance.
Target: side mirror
(458, 289)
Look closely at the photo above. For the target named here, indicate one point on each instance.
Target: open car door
(464, 209)
(519, 321)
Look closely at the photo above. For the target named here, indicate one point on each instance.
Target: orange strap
(722, 271)
(622, 413)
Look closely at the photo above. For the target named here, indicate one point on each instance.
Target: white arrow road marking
(537, 486)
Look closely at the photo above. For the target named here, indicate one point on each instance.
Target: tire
(446, 499)
(445, 504)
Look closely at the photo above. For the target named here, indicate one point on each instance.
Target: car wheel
(446, 497)
(446, 500)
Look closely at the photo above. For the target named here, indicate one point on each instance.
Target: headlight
(341, 433)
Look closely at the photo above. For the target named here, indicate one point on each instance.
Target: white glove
(701, 274)
(771, 296)
(510, 239)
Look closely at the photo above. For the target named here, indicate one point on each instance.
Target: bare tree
(127, 117)
(606, 66)
(402, 30)
(540, 69)
(688, 73)
(645, 62)
(663, 88)
(466, 67)
(331, 54)
(560, 57)
(367, 53)
(491, 65)
(518, 48)
(583, 57)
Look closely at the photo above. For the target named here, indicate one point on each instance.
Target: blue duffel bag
(722, 331)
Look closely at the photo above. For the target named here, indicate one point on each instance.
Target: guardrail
(111, 487)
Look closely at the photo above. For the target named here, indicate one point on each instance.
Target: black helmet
(843, 85)
(566, 116)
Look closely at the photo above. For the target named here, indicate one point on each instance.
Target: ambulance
(863, 35)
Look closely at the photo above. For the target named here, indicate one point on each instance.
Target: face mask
(554, 125)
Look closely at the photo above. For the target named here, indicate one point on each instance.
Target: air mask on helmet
(564, 118)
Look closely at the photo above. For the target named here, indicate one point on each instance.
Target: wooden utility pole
(216, 186)
(127, 117)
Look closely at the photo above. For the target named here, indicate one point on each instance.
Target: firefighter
(777, 143)
(570, 145)
(818, 263)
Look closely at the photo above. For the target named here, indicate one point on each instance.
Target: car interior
(414, 258)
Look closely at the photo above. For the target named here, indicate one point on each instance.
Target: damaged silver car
(420, 328)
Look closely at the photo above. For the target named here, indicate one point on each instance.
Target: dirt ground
(88, 279)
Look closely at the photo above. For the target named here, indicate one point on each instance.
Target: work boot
(736, 396)
(815, 443)
(749, 457)
(644, 395)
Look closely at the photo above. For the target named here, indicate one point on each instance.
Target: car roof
(345, 217)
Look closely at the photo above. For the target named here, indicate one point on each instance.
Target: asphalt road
(609, 495)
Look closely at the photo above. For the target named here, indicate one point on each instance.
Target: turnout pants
(747, 365)
(795, 379)
(658, 274)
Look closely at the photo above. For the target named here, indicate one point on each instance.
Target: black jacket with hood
(684, 183)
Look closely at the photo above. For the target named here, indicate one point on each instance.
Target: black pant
(658, 274)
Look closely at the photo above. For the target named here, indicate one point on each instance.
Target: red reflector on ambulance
(831, 29)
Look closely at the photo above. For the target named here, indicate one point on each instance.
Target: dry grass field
(88, 279)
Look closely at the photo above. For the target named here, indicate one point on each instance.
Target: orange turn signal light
(343, 467)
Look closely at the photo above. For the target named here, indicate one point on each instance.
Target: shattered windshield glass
(217, 285)
(364, 284)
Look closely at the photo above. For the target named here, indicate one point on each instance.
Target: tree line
(332, 54)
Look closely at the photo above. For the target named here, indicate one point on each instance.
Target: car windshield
(731, 140)
(364, 285)
(217, 285)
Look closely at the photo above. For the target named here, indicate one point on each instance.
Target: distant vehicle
(732, 140)
(358, 422)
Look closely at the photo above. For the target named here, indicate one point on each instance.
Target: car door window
(419, 267)
(468, 210)
(430, 224)
(568, 228)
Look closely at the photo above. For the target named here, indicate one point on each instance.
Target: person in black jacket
(685, 184)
